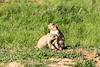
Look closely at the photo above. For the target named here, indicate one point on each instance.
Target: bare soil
(64, 62)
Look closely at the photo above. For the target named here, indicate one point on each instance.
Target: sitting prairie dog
(44, 41)
(54, 30)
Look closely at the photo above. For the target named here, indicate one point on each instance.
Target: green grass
(85, 63)
(22, 23)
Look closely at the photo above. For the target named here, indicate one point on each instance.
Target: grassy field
(23, 22)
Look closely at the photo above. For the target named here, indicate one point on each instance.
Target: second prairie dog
(53, 42)
(45, 40)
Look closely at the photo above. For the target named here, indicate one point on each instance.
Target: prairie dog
(44, 41)
(54, 30)
(55, 45)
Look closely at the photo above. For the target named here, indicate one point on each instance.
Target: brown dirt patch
(65, 62)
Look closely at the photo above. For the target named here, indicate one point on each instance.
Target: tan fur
(54, 30)
(44, 41)
(53, 42)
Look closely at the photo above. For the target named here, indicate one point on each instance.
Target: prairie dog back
(42, 42)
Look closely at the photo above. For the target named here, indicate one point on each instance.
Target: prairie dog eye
(54, 36)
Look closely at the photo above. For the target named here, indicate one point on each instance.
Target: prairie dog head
(53, 37)
(53, 26)
(53, 29)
